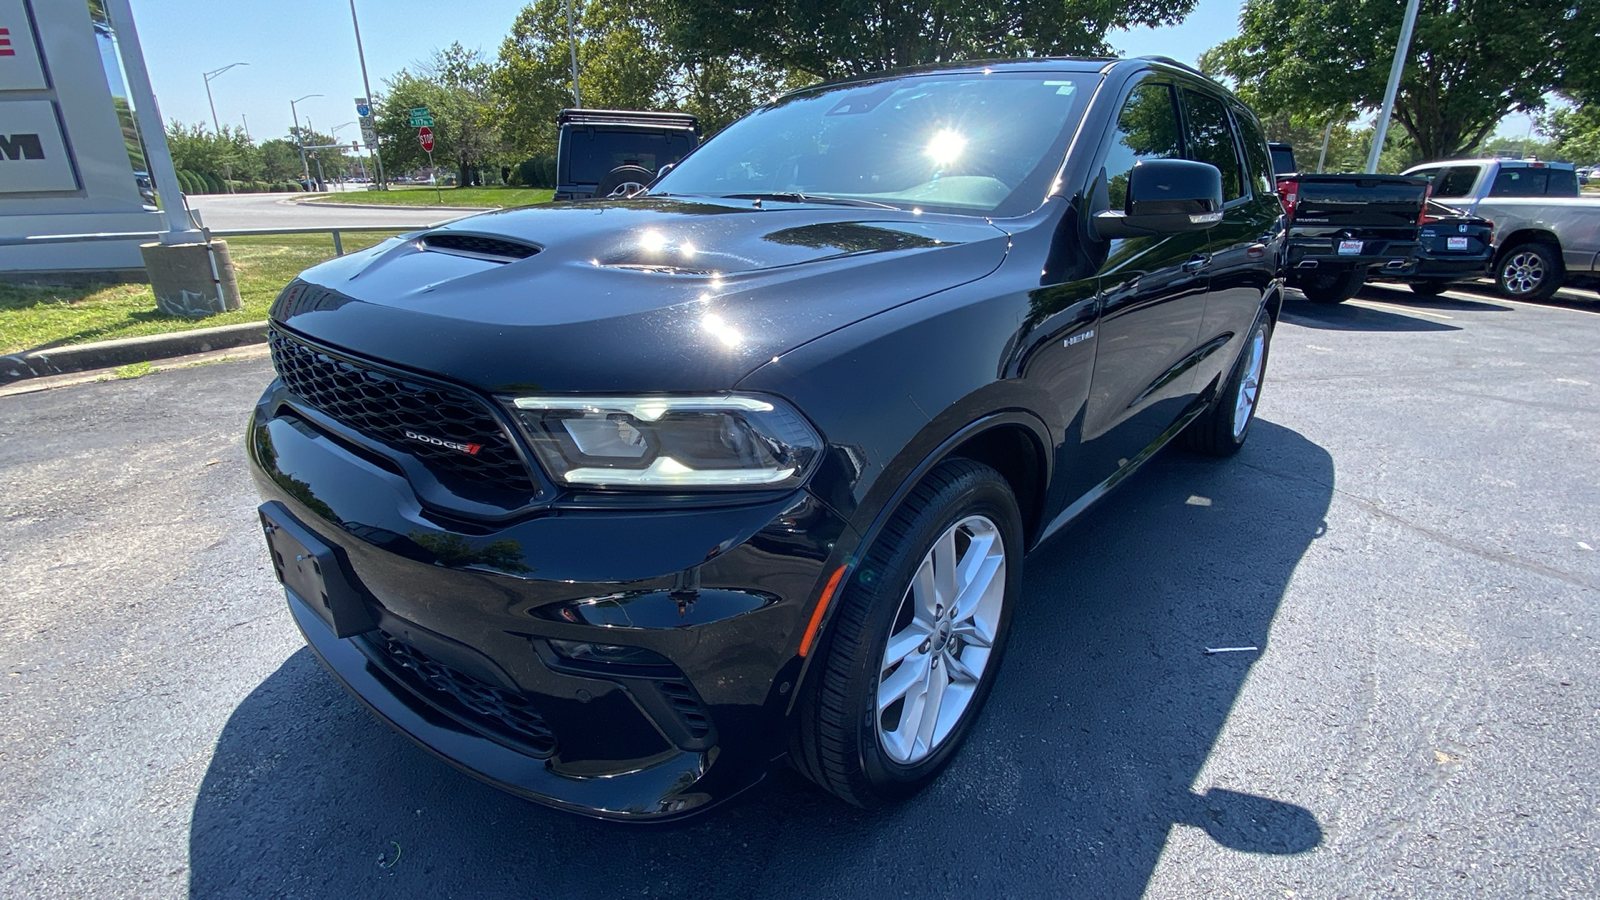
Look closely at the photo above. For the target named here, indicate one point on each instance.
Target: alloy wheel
(941, 640)
(1244, 404)
(1523, 272)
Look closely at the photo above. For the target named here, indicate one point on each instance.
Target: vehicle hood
(646, 295)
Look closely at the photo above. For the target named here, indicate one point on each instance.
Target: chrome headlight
(665, 442)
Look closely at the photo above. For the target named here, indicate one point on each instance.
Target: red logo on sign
(425, 135)
(5, 43)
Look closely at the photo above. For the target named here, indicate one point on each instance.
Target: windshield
(967, 142)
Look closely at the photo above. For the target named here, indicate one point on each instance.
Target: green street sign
(419, 112)
(421, 121)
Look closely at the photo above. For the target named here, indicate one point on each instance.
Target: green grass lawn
(34, 317)
(413, 195)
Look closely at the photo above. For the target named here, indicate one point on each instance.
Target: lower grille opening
(686, 703)
(506, 716)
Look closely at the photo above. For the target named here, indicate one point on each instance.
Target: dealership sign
(33, 153)
(20, 67)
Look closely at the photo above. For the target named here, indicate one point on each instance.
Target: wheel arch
(1528, 236)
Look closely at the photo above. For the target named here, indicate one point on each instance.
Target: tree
(626, 61)
(455, 86)
(1574, 132)
(833, 38)
(280, 160)
(227, 155)
(1471, 62)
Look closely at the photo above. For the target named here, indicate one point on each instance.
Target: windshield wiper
(797, 197)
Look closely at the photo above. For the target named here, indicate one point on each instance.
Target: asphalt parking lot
(1411, 540)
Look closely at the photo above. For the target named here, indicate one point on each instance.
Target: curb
(126, 351)
(93, 376)
(468, 209)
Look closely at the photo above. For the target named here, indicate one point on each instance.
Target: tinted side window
(1283, 161)
(1455, 181)
(1519, 183)
(1563, 183)
(1256, 159)
(1211, 141)
(1147, 128)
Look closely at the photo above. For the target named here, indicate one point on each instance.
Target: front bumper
(473, 624)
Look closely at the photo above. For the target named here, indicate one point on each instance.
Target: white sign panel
(33, 154)
(20, 69)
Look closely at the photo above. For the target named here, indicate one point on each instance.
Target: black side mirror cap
(1166, 196)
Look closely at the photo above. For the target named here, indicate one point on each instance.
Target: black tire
(622, 175)
(1429, 288)
(1213, 433)
(835, 740)
(1332, 288)
(1529, 271)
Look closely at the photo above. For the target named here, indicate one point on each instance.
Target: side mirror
(1166, 196)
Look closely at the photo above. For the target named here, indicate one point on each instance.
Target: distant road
(224, 212)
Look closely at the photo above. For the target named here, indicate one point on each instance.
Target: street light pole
(208, 76)
(572, 44)
(1382, 130)
(300, 138)
(367, 86)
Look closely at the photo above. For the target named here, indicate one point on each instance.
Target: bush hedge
(537, 172)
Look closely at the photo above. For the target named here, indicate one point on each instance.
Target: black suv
(617, 504)
(604, 151)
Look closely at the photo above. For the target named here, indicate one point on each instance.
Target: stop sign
(425, 135)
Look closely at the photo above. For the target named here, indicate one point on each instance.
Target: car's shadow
(1084, 761)
(1353, 317)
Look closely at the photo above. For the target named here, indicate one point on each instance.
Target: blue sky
(299, 47)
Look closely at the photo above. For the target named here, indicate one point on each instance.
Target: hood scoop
(477, 246)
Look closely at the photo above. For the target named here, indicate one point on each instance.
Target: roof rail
(1167, 60)
(627, 116)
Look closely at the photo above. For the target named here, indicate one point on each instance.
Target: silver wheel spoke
(958, 669)
(938, 680)
(944, 567)
(905, 643)
(912, 674)
(971, 635)
(926, 594)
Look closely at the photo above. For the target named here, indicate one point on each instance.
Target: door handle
(1197, 262)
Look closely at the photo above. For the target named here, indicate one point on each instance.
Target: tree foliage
(1471, 62)
(833, 38)
(454, 84)
(626, 60)
(1574, 132)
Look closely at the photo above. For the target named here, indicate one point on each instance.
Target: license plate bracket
(1351, 248)
(1455, 243)
(315, 571)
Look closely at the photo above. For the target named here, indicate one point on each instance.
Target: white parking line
(1404, 309)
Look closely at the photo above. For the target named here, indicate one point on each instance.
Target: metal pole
(213, 104)
(1327, 133)
(299, 137)
(246, 120)
(572, 44)
(180, 228)
(367, 86)
(1382, 130)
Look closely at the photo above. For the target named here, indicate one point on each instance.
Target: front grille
(384, 405)
(495, 711)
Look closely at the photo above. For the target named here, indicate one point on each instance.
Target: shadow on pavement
(1348, 317)
(1081, 766)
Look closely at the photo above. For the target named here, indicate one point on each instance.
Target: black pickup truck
(1344, 229)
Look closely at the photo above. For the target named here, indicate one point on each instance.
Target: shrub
(537, 172)
(190, 183)
(214, 184)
